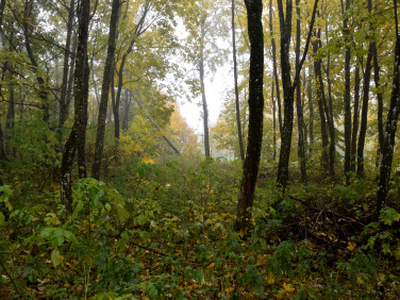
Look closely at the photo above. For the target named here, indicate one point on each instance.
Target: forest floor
(164, 230)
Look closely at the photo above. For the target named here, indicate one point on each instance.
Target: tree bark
(239, 127)
(320, 99)
(3, 155)
(64, 104)
(273, 118)
(76, 139)
(347, 100)
(11, 108)
(125, 118)
(256, 115)
(364, 115)
(288, 87)
(108, 70)
(299, 106)
(203, 95)
(43, 90)
(311, 119)
(390, 128)
(275, 67)
(329, 115)
(356, 117)
(288, 93)
(379, 96)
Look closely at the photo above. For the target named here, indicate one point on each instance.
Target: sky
(216, 88)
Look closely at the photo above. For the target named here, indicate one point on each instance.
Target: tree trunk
(356, 117)
(390, 128)
(288, 88)
(11, 108)
(256, 115)
(108, 70)
(76, 139)
(2, 6)
(64, 107)
(125, 119)
(239, 127)
(299, 106)
(364, 115)
(379, 96)
(203, 95)
(273, 118)
(139, 30)
(311, 119)
(320, 99)
(158, 128)
(347, 100)
(43, 90)
(71, 76)
(329, 114)
(3, 155)
(288, 93)
(275, 66)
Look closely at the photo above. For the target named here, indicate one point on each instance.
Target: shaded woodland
(106, 192)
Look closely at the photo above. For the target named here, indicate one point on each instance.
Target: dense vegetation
(107, 193)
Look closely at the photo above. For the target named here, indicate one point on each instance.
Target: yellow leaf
(147, 160)
(351, 246)
(212, 265)
(270, 278)
(359, 280)
(288, 287)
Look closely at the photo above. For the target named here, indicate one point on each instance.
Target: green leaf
(2, 219)
(55, 258)
(142, 219)
(77, 209)
(198, 275)
(27, 271)
(389, 215)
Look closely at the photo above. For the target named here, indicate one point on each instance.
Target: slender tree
(64, 101)
(3, 155)
(239, 127)
(320, 94)
(390, 126)
(256, 115)
(76, 140)
(43, 85)
(364, 115)
(328, 107)
(108, 70)
(288, 86)
(140, 28)
(275, 66)
(203, 91)
(356, 117)
(299, 107)
(347, 95)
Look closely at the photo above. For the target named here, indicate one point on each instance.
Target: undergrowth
(164, 230)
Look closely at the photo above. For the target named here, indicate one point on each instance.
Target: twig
(12, 280)
(303, 202)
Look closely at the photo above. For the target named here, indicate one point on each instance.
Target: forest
(107, 192)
